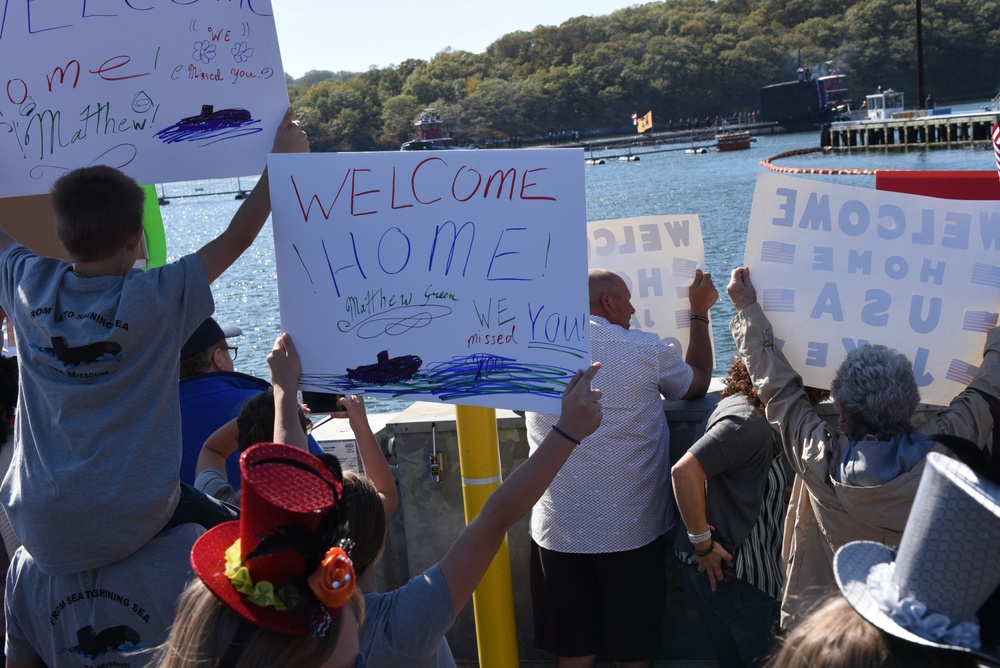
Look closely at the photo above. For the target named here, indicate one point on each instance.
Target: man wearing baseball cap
(207, 349)
(211, 393)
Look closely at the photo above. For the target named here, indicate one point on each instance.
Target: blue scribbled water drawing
(473, 375)
(211, 127)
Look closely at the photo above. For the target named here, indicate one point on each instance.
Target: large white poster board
(456, 276)
(164, 90)
(835, 266)
(657, 257)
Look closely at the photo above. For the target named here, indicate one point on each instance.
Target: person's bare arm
(375, 466)
(688, 476)
(217, 449)
(286, 369)
(702, 296)
(466, 561)
(220, 253)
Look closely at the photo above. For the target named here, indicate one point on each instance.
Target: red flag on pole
(996, 145)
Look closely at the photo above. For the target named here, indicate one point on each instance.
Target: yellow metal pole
(493, 600)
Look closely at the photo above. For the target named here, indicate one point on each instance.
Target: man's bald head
(610, 297)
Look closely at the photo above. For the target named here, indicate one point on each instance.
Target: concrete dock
(910, 129)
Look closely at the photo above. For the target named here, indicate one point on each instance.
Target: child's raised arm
(217, 255)
(286, 369)
(217, 448)
(472, 552)
(374, 464)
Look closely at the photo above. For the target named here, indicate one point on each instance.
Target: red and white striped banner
(996, 145)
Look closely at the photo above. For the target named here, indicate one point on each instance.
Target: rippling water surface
(716, 186)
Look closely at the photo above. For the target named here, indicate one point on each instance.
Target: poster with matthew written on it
(457, 276)
(164, 91)
(835, 266)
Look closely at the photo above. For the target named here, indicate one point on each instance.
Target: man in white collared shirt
(597, 568)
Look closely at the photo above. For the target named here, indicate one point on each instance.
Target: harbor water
(718, 186)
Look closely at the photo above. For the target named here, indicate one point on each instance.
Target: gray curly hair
(876, 389)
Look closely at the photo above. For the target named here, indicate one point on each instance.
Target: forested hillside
(678, 58)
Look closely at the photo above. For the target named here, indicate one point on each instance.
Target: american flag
(775, 251)
(961, 372)
(683, 267)
(985, 274)
(979, 321)
(778, 300)
(996, 144)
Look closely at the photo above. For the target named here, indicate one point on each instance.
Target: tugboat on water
(431, 133)
(733, 140)
(808, 102)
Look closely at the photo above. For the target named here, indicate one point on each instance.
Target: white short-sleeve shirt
(613, 494)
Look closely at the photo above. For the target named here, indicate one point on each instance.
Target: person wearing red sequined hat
(276, 587)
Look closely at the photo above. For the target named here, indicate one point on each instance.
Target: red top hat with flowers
(284, 565)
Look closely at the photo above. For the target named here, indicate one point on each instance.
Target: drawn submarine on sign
(212, 119)
(210, 124)
(386, 370)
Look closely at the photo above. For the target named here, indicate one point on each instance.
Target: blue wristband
(565, 435)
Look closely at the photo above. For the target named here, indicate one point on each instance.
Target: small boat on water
(881, 106)
(240, 192)
(735, 140)
(593, 161)
(431, 134)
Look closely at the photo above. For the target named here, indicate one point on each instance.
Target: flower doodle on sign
(241, 52)
(204, 51)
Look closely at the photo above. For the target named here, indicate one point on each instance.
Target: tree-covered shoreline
(678, 58)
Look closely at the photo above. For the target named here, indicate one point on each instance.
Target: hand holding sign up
(290, 137)
(740, 289)
(839, 266)
(703, 294)
(581, 405)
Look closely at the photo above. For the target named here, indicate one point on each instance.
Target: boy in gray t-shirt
(102, 616)
(97, 438)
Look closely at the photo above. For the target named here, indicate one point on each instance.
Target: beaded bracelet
(711, 548)
(699, 317)
(565, 435)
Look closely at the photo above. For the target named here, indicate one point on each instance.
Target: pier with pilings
(910, 129)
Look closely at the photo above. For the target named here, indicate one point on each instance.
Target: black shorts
(610, 604)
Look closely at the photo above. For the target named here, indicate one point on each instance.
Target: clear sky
(353, 35)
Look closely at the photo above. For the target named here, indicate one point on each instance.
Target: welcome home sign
(837, 266)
